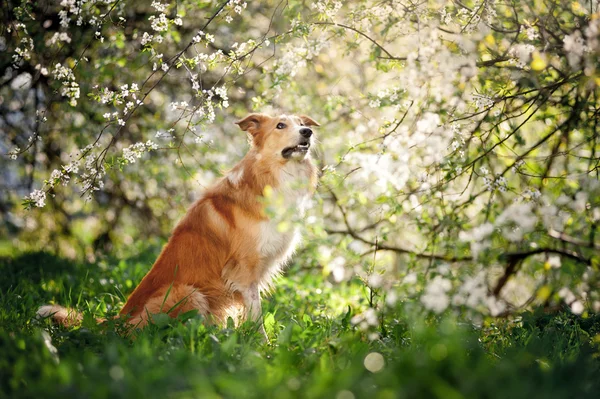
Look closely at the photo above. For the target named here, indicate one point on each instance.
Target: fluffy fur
(228, 246)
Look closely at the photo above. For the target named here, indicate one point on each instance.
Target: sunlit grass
(314, 350)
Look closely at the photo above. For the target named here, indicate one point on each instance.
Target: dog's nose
(306, 132)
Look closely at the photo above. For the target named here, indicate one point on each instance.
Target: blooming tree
(459, 146)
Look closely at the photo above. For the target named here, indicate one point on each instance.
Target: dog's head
(286, 136)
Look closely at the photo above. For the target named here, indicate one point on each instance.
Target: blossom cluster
(70, 87)
(135, 151)
(582, 46)
(327, 7)
(297, 55)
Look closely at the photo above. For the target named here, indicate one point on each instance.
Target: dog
(230, 245)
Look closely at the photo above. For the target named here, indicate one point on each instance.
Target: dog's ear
(252, 123)
(308, 121)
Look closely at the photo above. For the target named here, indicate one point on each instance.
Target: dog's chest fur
(277, 236)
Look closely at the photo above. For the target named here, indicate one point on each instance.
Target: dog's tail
(60, 315)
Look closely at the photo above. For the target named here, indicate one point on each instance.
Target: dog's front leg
(251, 296)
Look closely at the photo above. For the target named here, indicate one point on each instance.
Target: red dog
(228, 247)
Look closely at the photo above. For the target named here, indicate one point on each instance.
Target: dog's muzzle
(302, 148)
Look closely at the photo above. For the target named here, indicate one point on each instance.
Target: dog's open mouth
(302, 148)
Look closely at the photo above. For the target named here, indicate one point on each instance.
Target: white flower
(517, 219)
(337, 268)
(522, 52)
(580, 203)
(375, 280)
(428, 123)
(147, 38)
(577, 307)
(38, 197)
(56, 174)
(554, 261)
(160, 23)
(366, 319)
(14, 153)
(435, 297)
(478, 233)
(495, 305)
(575, 47)
(532, 33)
(410, 278)
(567, 295)
(391, 298)
(374, 103)
(158, 6)
(135, 151)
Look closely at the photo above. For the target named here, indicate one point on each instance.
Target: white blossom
(38, 197)
(436, 297)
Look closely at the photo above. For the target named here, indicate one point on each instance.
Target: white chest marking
(277, 237)
(273, 243)
(294, 185)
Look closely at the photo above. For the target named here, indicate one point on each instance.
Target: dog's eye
(281, 125)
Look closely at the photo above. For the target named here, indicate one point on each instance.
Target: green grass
(315, 351)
